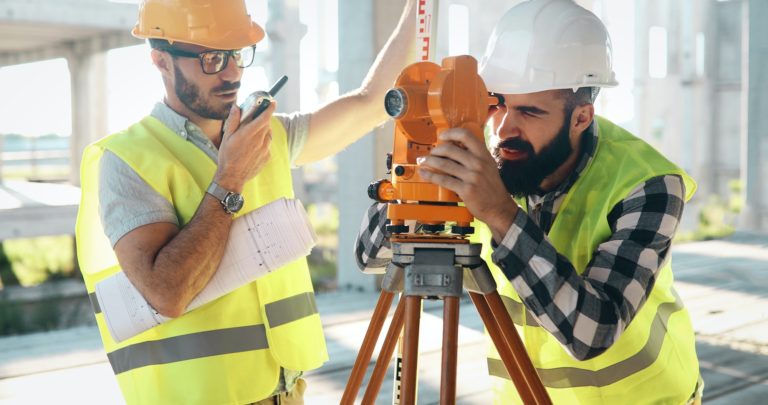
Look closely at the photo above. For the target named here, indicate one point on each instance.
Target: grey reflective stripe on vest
(94, 303)
(187, 347)
(290, 309)
(515, 311)
(567, 377)
(211, 343)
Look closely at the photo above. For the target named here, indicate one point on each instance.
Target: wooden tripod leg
(385, 355)
(410, 350)
(450, 347)
(366, 349)
(510, 348)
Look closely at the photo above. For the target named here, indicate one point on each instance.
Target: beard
(523, 177)
(190, 95)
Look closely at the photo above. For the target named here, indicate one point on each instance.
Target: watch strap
(218, 191)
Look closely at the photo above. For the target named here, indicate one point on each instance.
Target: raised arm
(344, 120)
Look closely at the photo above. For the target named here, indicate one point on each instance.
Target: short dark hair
(584, 95)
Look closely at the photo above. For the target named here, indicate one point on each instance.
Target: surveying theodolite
(428, 99)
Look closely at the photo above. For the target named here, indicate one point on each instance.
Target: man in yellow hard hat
(578, 215)
(159, 198)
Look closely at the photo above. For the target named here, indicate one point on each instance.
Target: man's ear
(582, 117)
(162, 62)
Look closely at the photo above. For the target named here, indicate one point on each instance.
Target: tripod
(439, 268)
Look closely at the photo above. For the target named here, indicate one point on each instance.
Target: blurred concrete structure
(705, 107)
(80, 31)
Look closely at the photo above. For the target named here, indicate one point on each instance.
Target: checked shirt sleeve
(372, 248)
(587, 313)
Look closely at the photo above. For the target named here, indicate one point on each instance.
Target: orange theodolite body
(427, 100)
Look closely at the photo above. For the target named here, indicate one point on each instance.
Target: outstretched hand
(472, 173)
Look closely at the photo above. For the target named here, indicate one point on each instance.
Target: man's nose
(231, 72)
(506, 124)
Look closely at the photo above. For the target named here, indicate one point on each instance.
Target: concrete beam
(77, 13)
(99, 43)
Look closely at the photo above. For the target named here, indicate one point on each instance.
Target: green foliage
(717, 217)
(43, 315)
(324, 218)
(322, 261)
(32, 261)
(11, 319)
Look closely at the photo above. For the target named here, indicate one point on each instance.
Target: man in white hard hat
(160, 197)
(581, 216)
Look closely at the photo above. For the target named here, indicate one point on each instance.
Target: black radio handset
(261, 99)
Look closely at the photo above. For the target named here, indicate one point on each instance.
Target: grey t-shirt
(127, 202)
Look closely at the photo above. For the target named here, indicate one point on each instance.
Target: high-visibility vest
(654, 359)
(228, 351)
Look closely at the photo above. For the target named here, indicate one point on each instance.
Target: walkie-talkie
(261, 99)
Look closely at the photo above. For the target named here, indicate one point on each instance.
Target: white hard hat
(546, 45)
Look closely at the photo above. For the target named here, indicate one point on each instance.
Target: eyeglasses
(215, 61)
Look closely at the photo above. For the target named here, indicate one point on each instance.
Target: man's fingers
(443, 180)
(448, 166)
(466, 138)
(233, 120)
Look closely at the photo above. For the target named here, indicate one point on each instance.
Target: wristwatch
(231, 201)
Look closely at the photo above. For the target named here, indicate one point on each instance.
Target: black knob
(462, 230)
(400, 170)
(433, 228)
(394, 229)
(373, 191)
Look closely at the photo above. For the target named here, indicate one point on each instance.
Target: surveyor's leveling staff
(426, 30)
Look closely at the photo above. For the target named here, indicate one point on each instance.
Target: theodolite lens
(396, 103)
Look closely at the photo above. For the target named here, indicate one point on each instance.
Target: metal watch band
(231, 202)
(217, 191)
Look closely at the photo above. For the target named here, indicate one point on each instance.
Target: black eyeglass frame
(201, 55)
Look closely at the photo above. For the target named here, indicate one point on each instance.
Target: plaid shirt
(588, 312)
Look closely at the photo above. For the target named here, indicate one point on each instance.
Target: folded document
(260, 242)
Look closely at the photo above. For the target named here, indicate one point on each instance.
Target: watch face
(234, 202)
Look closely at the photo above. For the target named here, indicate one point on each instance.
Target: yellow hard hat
(216, 24)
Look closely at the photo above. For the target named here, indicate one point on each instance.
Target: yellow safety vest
(228, 351)
(654, 360)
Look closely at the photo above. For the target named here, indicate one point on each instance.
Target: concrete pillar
(754, 119)
(363, 29)
(285, 32)
(355, 166)
(87, 69)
